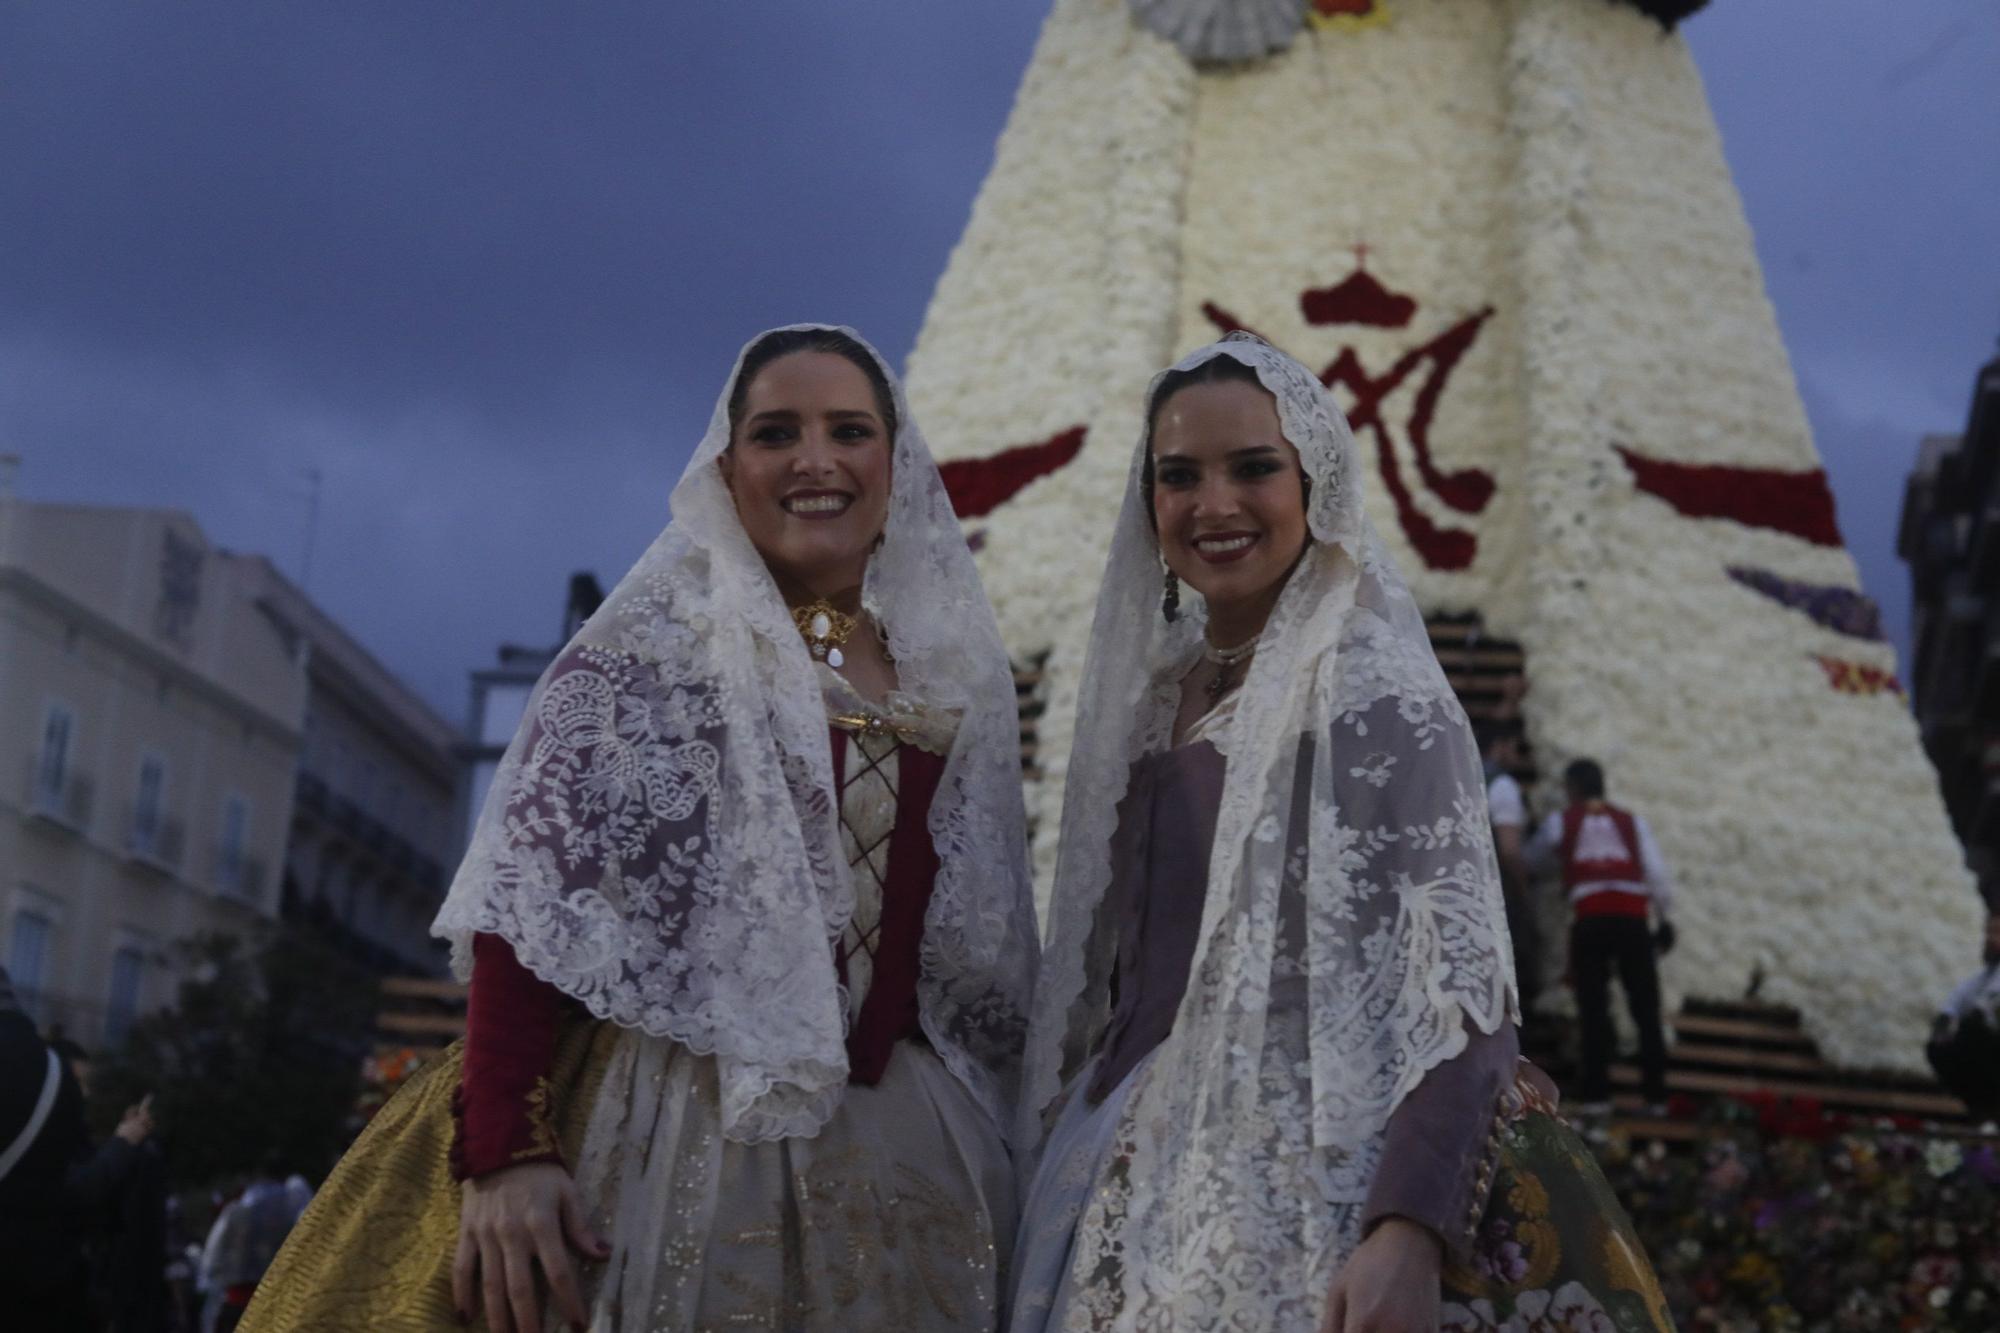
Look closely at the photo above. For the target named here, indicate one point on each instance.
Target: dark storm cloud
(484, 267)
(1866, 146)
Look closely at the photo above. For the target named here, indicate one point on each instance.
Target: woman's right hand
(510, 1221)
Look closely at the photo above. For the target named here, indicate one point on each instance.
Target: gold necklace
(825, 629)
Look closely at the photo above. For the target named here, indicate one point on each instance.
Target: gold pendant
(824, 630)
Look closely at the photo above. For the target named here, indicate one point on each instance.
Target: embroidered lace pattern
(661, 839)
(1351, 932)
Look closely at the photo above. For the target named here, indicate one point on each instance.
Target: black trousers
(1526, 934)
(1597, 946)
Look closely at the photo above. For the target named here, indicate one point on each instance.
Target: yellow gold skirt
(373, 1254)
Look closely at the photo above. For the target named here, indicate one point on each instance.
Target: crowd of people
(91, 1241)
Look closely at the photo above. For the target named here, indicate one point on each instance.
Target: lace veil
(661, 838)
(1352, 928)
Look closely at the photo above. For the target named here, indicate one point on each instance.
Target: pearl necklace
(1225, 659)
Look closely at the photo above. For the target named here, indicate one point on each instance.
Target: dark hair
(1488, 732)
(1585, 779)
(1218, 369)
(784, 342)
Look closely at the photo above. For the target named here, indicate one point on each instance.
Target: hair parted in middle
(784, 342)
(1215, 370)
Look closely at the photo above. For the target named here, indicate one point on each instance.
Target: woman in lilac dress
(1273, 1050)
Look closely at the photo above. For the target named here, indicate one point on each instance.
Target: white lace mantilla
(1352, 931)
(661, 841)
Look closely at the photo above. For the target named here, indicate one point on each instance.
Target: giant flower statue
(1505, 230)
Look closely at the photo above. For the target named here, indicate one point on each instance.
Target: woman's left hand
(1389, 1284)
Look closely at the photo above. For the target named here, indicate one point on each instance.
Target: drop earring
(1170, 601)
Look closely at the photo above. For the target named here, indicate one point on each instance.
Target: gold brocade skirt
(373, 1254)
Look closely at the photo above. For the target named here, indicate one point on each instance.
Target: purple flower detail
(1842, 610)
(1506, 1263)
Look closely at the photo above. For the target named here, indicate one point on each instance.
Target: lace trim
(662, 841)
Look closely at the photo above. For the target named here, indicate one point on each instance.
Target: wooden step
(1744, 1030)
(424, 988)
(422, 1025)
(1883, 1101)
(1488, 657)
(1750, 1011)
(1739, 1057)
(1630, 1118)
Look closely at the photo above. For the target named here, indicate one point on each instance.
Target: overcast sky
(484, 267)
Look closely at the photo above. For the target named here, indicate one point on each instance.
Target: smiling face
(808, 464)
(1228, 500)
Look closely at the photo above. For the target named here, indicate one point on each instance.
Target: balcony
(159, 847)
(374, 835)
(346, 816)
(1986, 663)
(65, 803)
(239, 877)
(1984, 560)
(313, 795)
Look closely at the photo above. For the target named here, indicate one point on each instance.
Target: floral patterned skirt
(1555, 1253)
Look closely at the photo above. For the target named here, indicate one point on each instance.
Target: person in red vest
(1618, 890)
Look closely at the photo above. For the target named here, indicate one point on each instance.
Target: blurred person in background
(1964, 1047)
(53, 1184)
(1618, 887)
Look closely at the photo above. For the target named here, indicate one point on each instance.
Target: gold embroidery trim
(541, 1122)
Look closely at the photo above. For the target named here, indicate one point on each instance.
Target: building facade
(372, 835)
(149, 727)
(1950, 537)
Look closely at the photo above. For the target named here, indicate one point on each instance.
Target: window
(128, 968)
(235, 829)
(27, 956)
(53, 768)
(146, 804)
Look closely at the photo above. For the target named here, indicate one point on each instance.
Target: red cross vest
(1600, 845)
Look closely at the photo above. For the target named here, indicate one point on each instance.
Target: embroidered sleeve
(503, 1105)
(1440, 1147)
